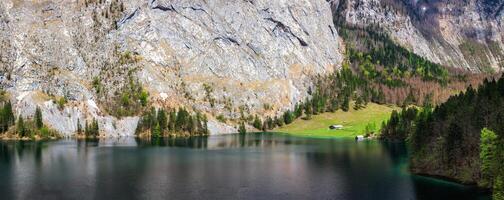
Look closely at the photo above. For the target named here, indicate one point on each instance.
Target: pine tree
(38, 118)
(156, 131)
(358, 104)
(268, 124)
(21, 128)
(9, 115)
(488, 157)
(7, 118)
(153, 118)
(242, 129)
(205, 125)
(163, 120)
(87, 130)
(308, 111)
(298, 110)
(498, 189)
(182, 119)
(264, 127)
(345, 106)
(172, 120)
(95, 129)
(199, 124)
(288, 117)
(279, 122)
(79, 127)
(4, 123)
(334, 105)
(257, 122)
(190, 125)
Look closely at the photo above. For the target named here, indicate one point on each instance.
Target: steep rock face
(218, 57)
(461, 34)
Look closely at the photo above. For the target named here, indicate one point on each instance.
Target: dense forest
(462, 139)
(398, 72)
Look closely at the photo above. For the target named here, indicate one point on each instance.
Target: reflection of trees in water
(18, 149)
(6, 157)
(222, 141)
(20, 155)
(5, 153)
(199, 142)
(121, 168)
(88, 142)
(360, 168)
(397, 151)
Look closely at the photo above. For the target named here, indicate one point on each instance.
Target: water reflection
(250, 166)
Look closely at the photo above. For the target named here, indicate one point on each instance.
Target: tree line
(91, 130)
(159, 123)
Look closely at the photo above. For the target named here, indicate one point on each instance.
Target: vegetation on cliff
(22, 128)
(397, 72)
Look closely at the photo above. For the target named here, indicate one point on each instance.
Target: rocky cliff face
(218, 57)
(462, 34)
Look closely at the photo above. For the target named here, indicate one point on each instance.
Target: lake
(252, 166)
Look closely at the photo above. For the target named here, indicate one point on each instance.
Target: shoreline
(80, 137)
(453, 181)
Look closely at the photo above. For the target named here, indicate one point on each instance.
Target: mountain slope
(461, 34)
(218, 57)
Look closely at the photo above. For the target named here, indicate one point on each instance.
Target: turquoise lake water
(253, 166)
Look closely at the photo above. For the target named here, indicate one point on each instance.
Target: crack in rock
(164, 8)
(228, 40)
(253, 48)
(282, 27)
(127, 18)
(195, 9)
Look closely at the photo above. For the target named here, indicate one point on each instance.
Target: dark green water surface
(253, 166)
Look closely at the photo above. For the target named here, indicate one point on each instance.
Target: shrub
(61, 102)
(257, 123)
(97, 85)
(45, 132)
(221, 118)
(144, 96)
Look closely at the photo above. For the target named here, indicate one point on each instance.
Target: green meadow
(354, 122)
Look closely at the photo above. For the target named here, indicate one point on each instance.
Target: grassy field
(354, 122)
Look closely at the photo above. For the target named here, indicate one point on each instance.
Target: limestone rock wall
(219, 57)
(461, 34)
